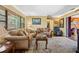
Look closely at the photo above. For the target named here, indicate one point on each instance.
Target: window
(2, 18)
(13, 21)
(10, 20)
(17, 21)
(22, 22)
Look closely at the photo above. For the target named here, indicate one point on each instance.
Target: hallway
(55, 45)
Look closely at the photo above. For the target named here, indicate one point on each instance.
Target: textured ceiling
(44, 10)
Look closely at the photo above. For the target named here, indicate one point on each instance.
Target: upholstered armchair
(58, 31)
(48, 32)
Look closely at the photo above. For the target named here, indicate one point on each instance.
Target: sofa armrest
(12, 38)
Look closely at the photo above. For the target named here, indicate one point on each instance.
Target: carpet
(55, 45)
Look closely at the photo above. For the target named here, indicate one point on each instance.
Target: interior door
(68, 26)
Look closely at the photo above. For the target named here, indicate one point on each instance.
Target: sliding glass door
(13, 21)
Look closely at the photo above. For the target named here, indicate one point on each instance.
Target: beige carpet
(55, 45)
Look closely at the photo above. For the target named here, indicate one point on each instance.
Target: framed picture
(61, 22)
(36, 21)
(56, 23)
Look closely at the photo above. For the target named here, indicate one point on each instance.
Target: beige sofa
(20, 40)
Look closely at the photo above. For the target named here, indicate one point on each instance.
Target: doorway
(48, 24)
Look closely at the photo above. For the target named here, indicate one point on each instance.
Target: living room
(35, 31)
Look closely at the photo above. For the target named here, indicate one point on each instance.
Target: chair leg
(46, 43)
(36, 44)
(13, 49)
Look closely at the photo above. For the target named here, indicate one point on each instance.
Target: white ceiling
(44, 10)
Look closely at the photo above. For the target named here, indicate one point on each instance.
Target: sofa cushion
(16, 33)
(13, 33)
(20, 33)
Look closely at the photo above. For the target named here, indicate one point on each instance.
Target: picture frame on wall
(56, 23)
(36, 21)
(61, 23)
